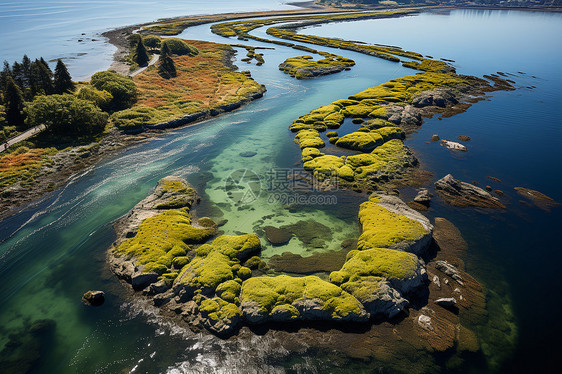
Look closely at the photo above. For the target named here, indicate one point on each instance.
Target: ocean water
(70, 29)
(50, 254)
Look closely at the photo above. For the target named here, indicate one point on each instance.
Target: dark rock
(248, 154)
(459, 193)
(277, 236)
(417, 206)
(494, 179)
(463, 138)
(423, 197)
(435, 137)
(93, 298)
(440, 98)
(488, 188)
(499, 192)
(141, 280)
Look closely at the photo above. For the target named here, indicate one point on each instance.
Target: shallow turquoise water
(54, 252)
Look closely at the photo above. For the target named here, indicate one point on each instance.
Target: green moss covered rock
(388, 222)
(309, 139)
(216, 263)
(290, 298)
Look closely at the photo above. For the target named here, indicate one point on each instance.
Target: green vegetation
(283, 294)
(383, 228)
(62, 82)
(66, 115)
(376, 262)
(309, 138)
(22, 165)
(166, 67)
(153, 42)
(304, 67)
(122, 89)
(140, 55)
(162, 238)
(202, 83)
(180, 47)
(217, 263)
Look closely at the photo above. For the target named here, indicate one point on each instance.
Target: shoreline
(118, 141)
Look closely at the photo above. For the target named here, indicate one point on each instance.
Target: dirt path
(21, 137)
(151, 62)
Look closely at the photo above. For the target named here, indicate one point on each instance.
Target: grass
(22, 166)
(204, 81)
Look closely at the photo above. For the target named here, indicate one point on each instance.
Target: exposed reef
(459, 193)
(305, 67)
(223, 285)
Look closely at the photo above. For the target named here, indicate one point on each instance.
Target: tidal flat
(368, 282)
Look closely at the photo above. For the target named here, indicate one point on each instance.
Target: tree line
(31, 94)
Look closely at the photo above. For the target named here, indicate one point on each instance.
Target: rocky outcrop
(388, 222)
(423, 197)
(93, 298)
(440, 98)
(453, 145)
(459, 193)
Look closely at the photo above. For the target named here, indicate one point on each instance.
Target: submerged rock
(537, 198)
(248, 154)
(459, 193)
(277, 236)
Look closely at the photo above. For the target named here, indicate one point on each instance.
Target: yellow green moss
(284, 291)
(218, 262)
(383, 228)
(309, 138)
(158, 235)
(376, 262)
(360, 141)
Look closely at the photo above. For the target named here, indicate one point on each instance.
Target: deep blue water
(52, 253)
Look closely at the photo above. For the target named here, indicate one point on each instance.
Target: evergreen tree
(141, 56)
(4, 74)
(42, 79)
(26, 71)
(13, 98)
(17, 73)
(63, 82)
(166, 67)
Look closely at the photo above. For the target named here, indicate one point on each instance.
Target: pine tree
(63, 82)
(41, 79)
(13, 98)
(141, 56)
(26, 71)
(166, 67)
(4, 74)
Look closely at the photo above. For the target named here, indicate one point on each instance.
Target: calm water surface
(52, 253)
